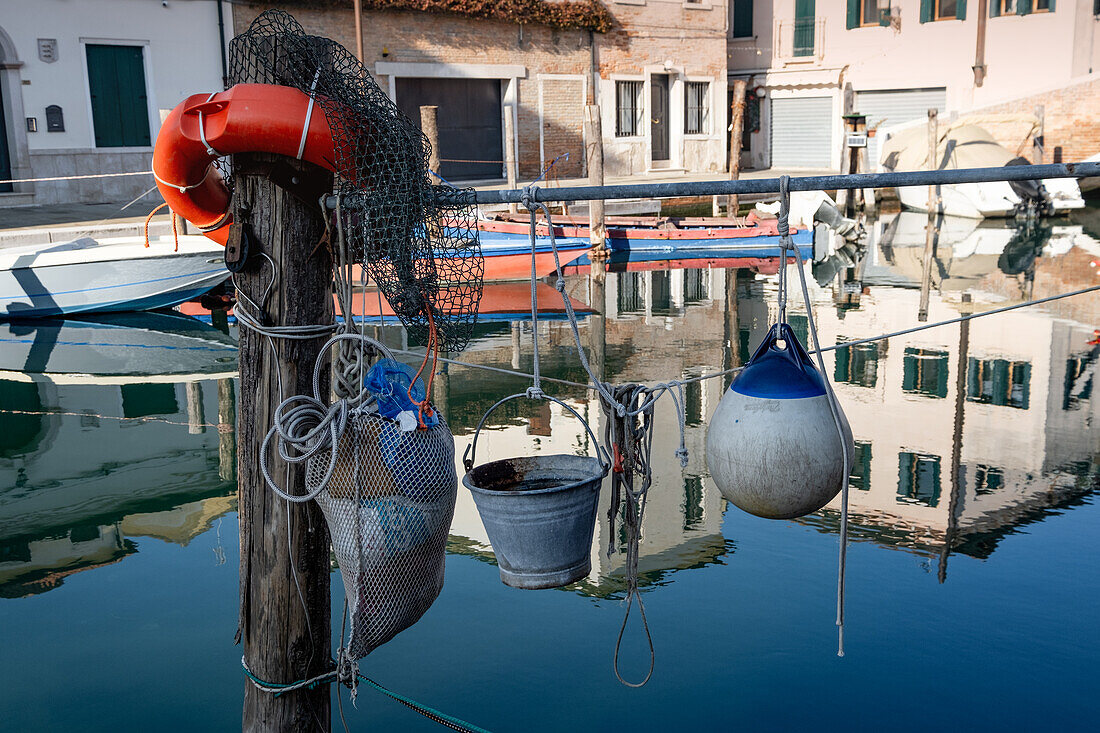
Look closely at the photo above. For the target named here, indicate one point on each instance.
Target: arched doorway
(13, 137)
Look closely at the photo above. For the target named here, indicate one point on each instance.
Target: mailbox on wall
(55, 120)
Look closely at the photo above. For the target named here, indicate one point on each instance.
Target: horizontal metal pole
(803, 183)
(445, 194)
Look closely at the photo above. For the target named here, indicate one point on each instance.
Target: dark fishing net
(424, 256)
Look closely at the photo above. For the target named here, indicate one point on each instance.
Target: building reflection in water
(123, 428)
(963, 432)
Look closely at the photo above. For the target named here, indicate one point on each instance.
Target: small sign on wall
(47, 50)
(857, 141)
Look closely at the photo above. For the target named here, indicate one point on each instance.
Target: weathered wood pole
(956, 444)
(737, 121)
(227, 438)
(511, 170)
(930, 228)
(284, 574)
(196, 417)
(429, 125)
(359, 30)
(593, 139)
(731, 328)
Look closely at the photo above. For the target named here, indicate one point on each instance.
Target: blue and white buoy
(773, 447)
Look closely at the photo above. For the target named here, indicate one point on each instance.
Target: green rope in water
(279, 688)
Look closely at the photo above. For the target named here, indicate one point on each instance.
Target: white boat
(115, 348)
(964, 144)
(115, 274)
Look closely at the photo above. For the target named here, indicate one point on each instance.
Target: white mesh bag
(388, 506)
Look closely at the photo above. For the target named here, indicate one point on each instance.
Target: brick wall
(1071, 120)
(645, 36)
(411, 37)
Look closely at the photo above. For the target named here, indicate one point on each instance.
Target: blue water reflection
(972, 595)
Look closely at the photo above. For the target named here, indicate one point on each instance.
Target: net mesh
(422, 254)
(388, 507)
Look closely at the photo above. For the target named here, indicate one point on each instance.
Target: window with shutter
(742, 18)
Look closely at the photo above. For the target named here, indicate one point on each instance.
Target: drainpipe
(979, 51)
(221, 43)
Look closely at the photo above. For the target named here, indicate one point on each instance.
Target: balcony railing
(799, 39)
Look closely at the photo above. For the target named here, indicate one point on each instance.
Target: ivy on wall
(589, 15)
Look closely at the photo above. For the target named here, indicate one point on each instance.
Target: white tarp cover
(976, 139)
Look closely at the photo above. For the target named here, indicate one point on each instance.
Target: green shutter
(843, 360)
(1052, 6)
(994, 8)
(884, 17)
(1023, 7)
(927, 8)
(742, 18)
(120, 107)
(853, 14)
(960, 10)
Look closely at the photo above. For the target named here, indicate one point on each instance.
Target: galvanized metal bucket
(539, 511)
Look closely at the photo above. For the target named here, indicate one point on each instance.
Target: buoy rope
(834, 404)
(277, 689)
(631, 437)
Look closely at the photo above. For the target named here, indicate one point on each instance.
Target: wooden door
(658, 129)
(120, 105)
(470, 122)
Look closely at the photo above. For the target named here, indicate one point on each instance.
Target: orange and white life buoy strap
(210, 150)
(309, 115)
(181, 189)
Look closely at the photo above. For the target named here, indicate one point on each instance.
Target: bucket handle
(468, 456)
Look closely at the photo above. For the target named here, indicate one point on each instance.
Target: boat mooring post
(933, 208)
(511, 171)
(284, 626)
(429, 125)
(737, 118)
(593, 136)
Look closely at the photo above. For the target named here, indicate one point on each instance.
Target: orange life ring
(248, 118)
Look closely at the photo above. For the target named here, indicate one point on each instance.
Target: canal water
(973, 589)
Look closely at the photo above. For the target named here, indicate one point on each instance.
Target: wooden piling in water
(737, 117)
(511, 170)
(284, 574)
(429, 125)
(933, 209)
(593, 138)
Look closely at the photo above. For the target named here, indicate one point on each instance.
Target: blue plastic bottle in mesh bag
(388, 380)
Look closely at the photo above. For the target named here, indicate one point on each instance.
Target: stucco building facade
(808, 62)
(84, 87)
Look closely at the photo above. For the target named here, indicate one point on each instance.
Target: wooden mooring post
(593, 139)
(932, 228)
(429, 125)
(284, 573)
(737, 118)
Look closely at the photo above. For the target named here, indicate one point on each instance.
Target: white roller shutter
(802, 132)
(892, 107)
